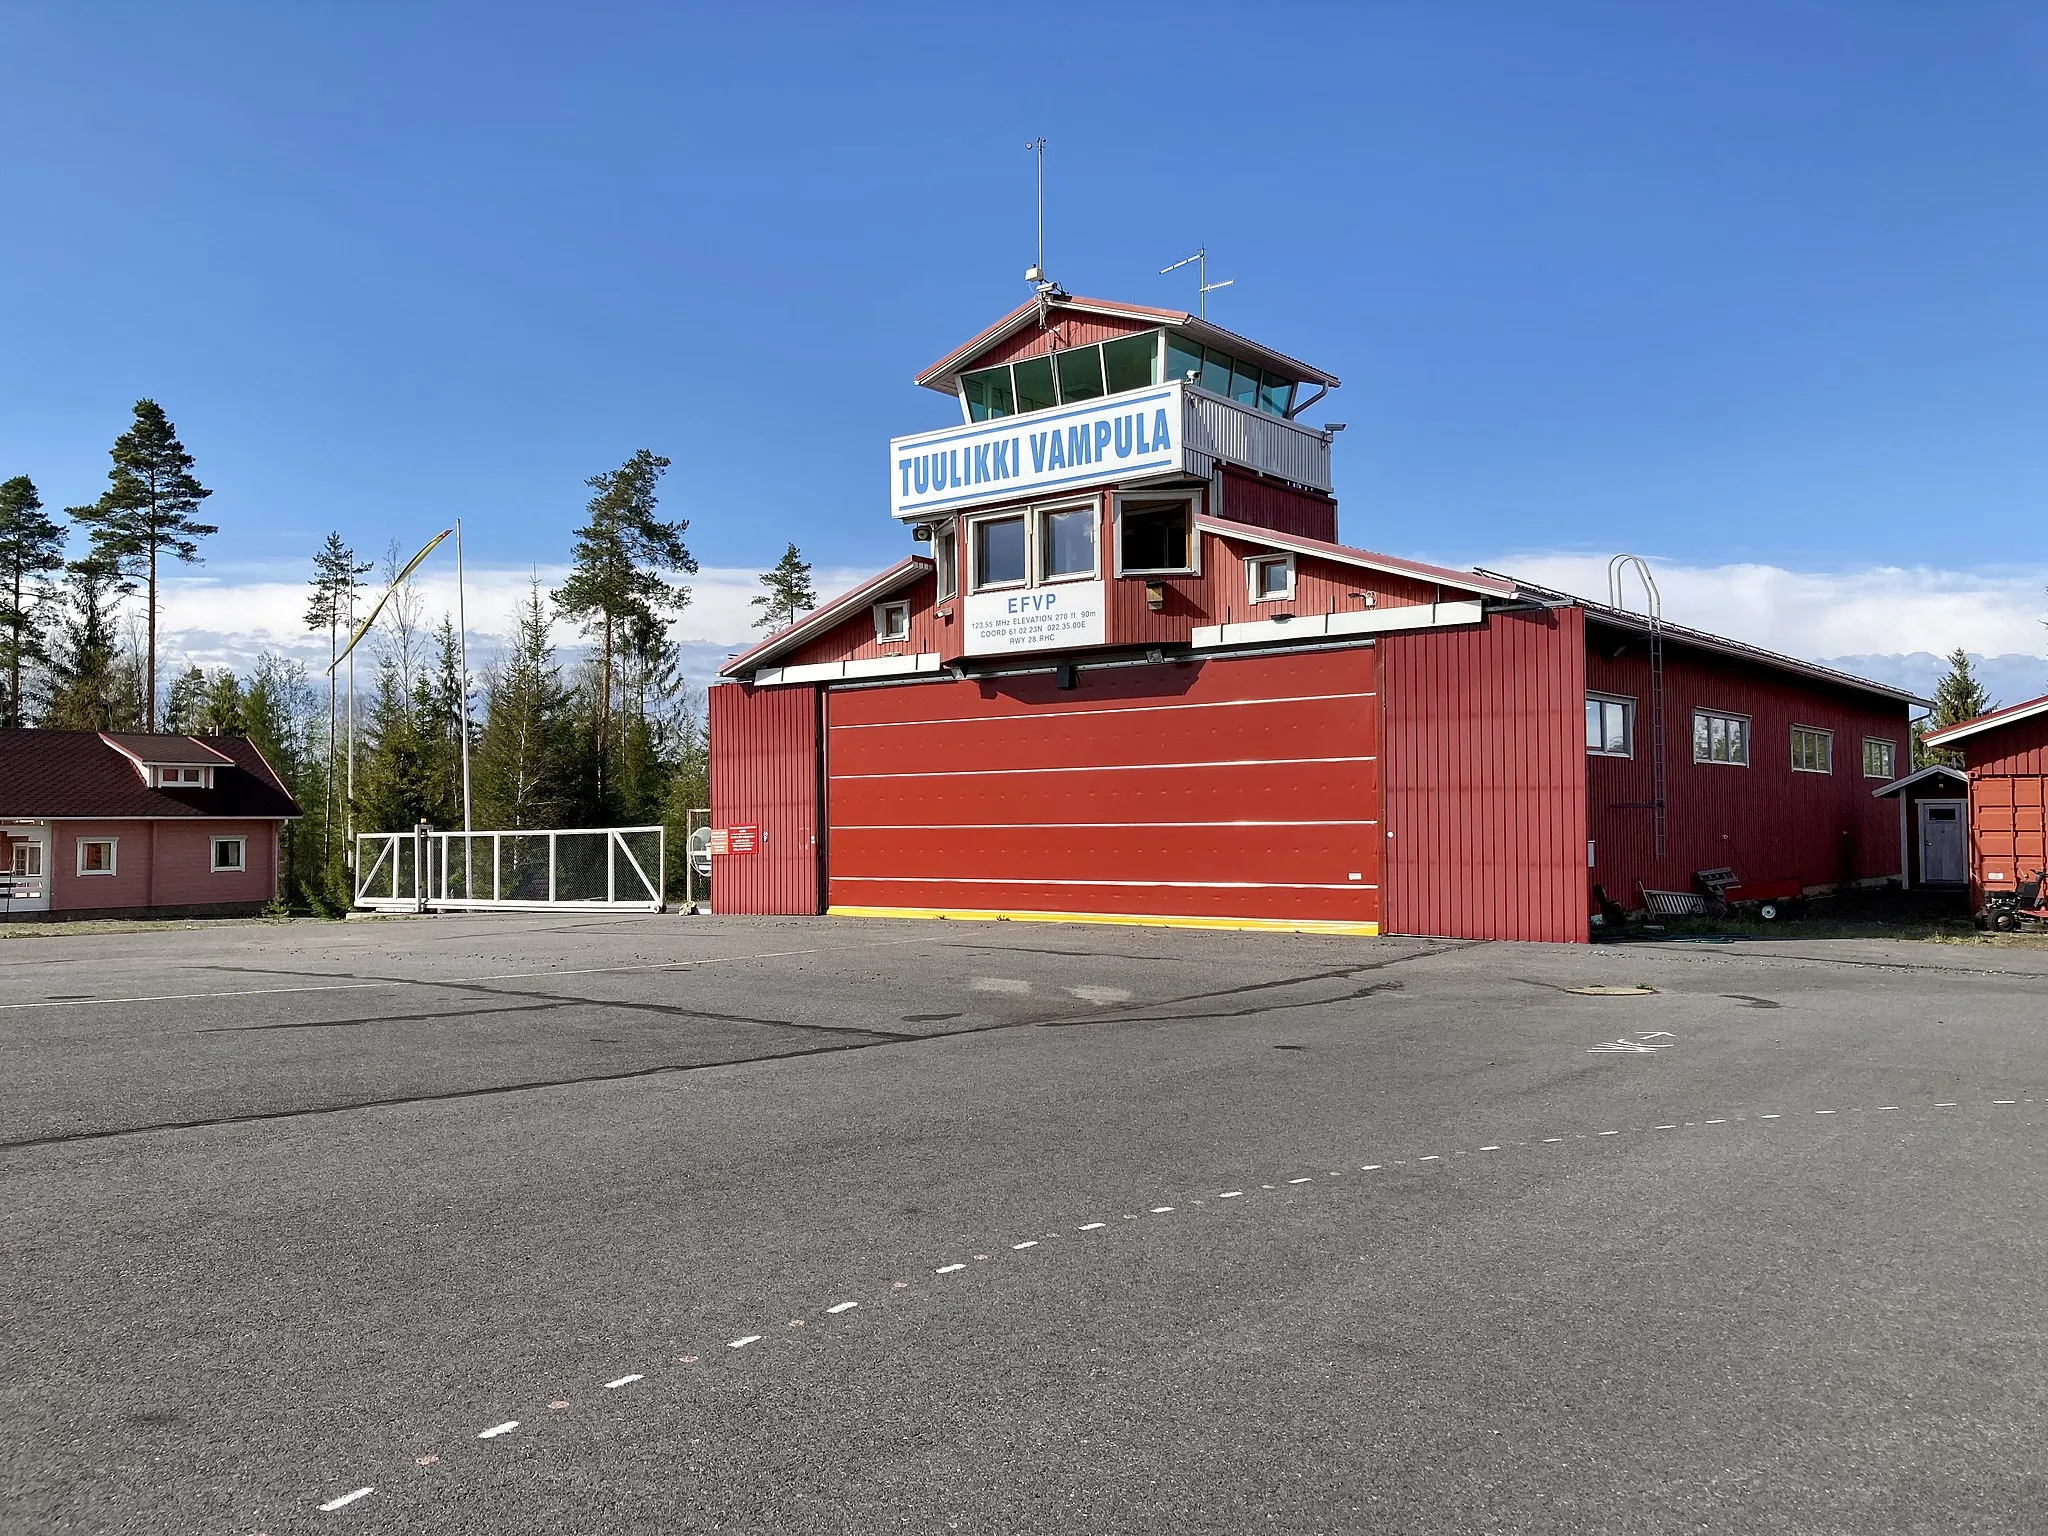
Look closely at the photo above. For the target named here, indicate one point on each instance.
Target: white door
(1944, 851)
(27, 881)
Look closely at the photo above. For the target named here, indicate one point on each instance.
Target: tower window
(1154, 535)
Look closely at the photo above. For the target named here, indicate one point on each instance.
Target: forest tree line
(608, 734)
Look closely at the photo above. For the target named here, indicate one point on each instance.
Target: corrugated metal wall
(1266, 504)
(766, 772)
(2008, 804)
(1486, 779)
(1765, 821)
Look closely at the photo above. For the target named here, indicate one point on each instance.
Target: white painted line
(1553, 1138)
(1368, 1167)
(623, 1381)
(1298, 1181)
(1432, 1158)
(1101, 997)
(1494, 1148)
(1030, 1242)
(1093, 1226)
(1000, 984)
(1230, 1194)
(1884, 1107)
(1610, 1133)
(1671, 1127)
(844, 1306)
(2005, 1101)
(496, 1430)
(1770, 1117)
(752, 1338)
(947, 1269)
(1824, 1111)
(1717, 1122)
(1161, 1210)
(348, 1498)
(1951, 1104)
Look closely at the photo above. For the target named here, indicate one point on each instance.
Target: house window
(1270, 578)
(1720, 738)
(1155, 535)
(187, 776)
(28, 861)
(999, 552)
(892, 621)
(1880, 759)
(96, 855)
(1066, 543)
(1610, 726)
(230, 853)
(944, 554)
(1812, 751)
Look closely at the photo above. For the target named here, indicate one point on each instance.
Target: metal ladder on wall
(1617, 569)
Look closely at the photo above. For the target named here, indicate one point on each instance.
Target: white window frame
(1627, 705)
(17, 859)
(1891, 749)
(1193, 498)
(173, 776)
(1252, 565)
(241, 864)
(1792, 748)
(113, 846)
(1034, 516)
(882, 614)
(1748, 737)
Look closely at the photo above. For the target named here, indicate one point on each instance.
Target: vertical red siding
(765, 772)
(2008, 804)
(1486, 779)
(1070, 330)
(1267, 504)
(1764, 821)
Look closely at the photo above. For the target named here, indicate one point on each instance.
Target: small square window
(1812, 751)
(1155, 535)
(1271, 578)
(1880, 759)
(229, 853)
(1718, 738)
(892, 621)
(96, 855)
(1610, 726)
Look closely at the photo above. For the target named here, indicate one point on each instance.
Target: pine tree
(31, 547)
(1957, 697)
(616, 587)
(94, 686)
(145, 514)
(789, 593)
(336, 579)
(183, 702)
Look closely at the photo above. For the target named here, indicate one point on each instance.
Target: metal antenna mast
(1037, 272)
(1203, 287)
(1617, 569)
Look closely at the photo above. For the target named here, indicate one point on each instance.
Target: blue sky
(1735, 283)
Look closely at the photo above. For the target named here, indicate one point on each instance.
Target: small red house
(113, 824)
(2006, 755)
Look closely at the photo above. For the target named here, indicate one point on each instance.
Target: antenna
(1037, 273)
(1203, 287)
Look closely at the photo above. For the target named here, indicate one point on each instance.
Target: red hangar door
(1231, 793)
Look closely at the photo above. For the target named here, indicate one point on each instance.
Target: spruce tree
(183, 702)
(145, 515)
(1957, 697)
(92, 685)
(336, 577)
(616, 589)
(789, 593)
(31, 547)
(524, 766)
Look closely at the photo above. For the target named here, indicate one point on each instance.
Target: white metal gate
(581, 868)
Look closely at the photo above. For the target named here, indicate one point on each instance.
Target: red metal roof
(80, 774)
(2012, 714)
(825, 615)
(939, 374)
(1464, 581)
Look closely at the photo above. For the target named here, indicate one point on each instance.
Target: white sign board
(1035, 619)
(1114, 438)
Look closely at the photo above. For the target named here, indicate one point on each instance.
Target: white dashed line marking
(1101, 997)
(1368, 1167)
(496, 1430)
(1029, 1242)
(1432, 1158)
(1770, 1117)
(844, 1306)
(1824, 1111)
(347, 1499)
(1230, 1194)
(1882, 1108)
(1298, 1181)
(1494, 1148)
(2005, 1101)
(947, 1269)
(623, 1381)
(1000, 984)
(1717, 1122)
(1951, 1104)
(1094, 1226)
(1161, 1210)
(752, 1338)
(1610, 1133)
(1548, 1139)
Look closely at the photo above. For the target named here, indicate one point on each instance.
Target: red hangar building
(1134, 676)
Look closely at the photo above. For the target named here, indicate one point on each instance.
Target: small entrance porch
(1934, 826)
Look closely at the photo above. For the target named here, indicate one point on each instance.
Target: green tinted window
(988, 394)
(1276, 395)
(1129, 363)
(1034, 384)
(1080, 373)
(1182, 358)
(1215, 372)
(1244, 384)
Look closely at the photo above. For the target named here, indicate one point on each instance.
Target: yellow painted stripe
(1248, 924)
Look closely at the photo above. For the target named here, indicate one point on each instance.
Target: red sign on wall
(743, 839)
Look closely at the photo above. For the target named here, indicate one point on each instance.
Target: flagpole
(462, 642)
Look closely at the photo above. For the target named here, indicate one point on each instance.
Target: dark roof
(77, 774)
(169, 751)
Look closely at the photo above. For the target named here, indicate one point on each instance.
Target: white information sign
(1138, 432)
(1035, 619)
